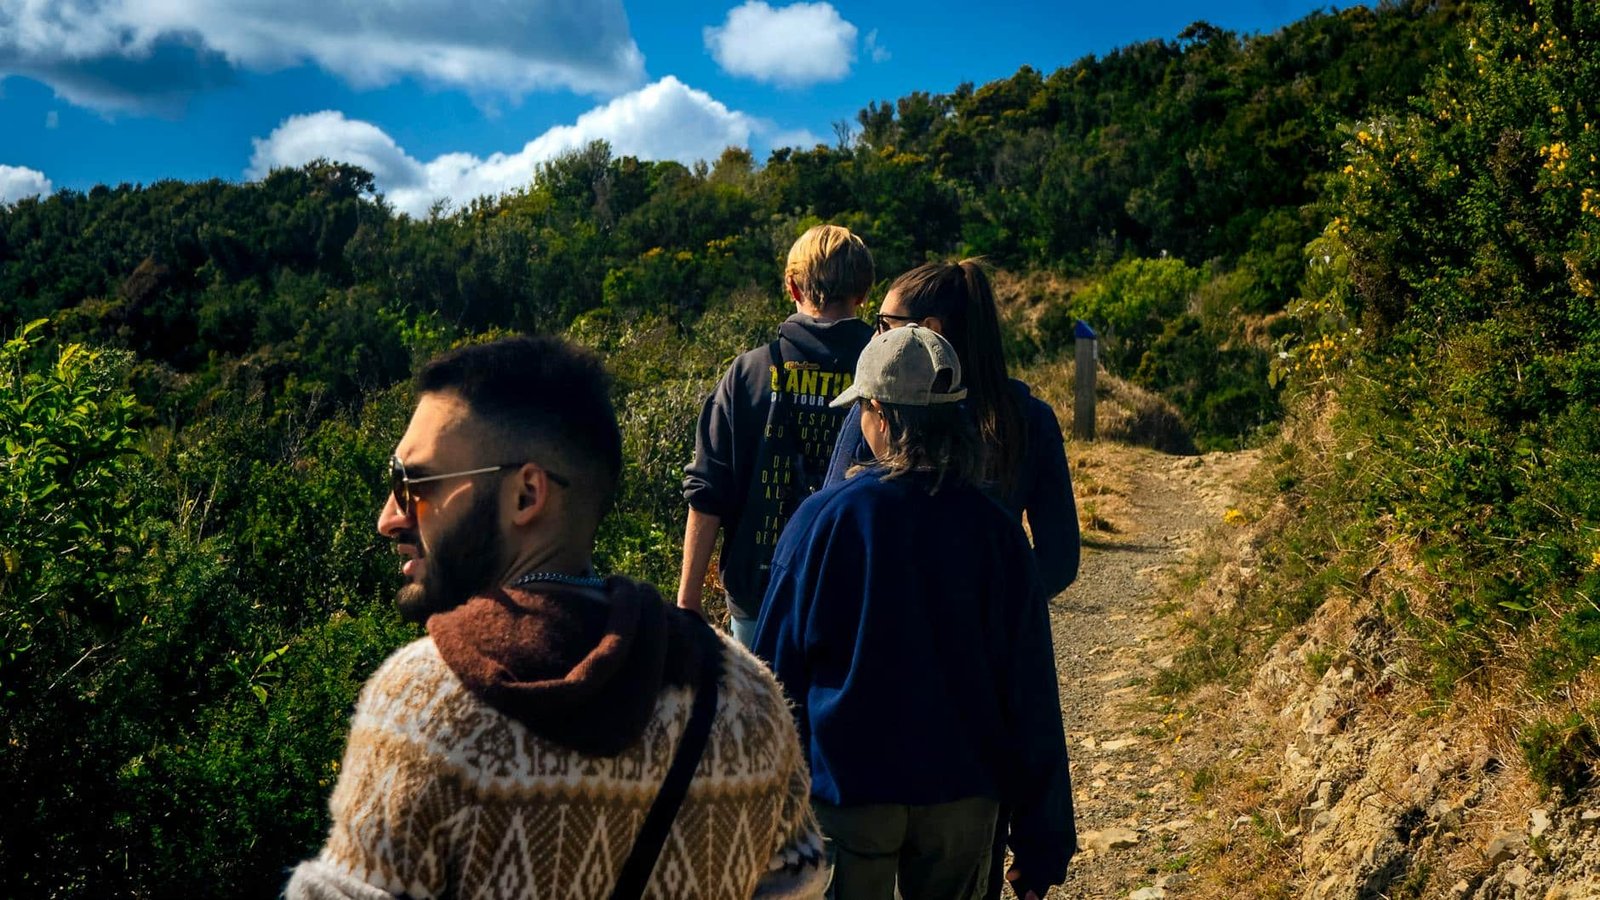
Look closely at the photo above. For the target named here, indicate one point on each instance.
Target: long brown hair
(938, 439)
(960, 296)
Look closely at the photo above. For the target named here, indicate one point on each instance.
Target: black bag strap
(652, 837)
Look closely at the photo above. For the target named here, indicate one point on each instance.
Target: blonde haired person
(765, 434)
(828, 264)
(906, 622)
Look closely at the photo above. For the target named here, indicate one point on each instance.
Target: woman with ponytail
(1025, 460)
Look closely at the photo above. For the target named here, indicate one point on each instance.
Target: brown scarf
(577, 670)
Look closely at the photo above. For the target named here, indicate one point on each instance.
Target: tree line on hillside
(200, 383)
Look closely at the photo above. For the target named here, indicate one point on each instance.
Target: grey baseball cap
(901, 366)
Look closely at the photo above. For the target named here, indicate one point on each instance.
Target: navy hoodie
(912, 634)
(763, 442)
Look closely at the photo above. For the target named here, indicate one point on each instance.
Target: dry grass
(1238, 729)
(1124, 412)
(1102, 482)
(1023, 299)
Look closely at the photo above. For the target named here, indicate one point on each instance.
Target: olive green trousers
(936, 852)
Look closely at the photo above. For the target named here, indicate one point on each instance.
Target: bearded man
(555, 734)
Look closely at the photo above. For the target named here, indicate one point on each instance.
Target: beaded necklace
(586, 581)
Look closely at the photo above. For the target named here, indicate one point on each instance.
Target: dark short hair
(537, 389)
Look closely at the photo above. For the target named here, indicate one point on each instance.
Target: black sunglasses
(883, 321)
(400, 483)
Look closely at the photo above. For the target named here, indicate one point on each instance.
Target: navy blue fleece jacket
(912, 634)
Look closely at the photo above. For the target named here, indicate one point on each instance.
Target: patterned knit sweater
(509, 755)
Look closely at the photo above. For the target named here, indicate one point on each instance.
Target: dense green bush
(1188, 334)
(184, 629)
(1450, 309)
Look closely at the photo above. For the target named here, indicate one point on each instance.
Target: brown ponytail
(960, 296)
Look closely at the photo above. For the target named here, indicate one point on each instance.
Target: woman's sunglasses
(400, 483)
(883, 321)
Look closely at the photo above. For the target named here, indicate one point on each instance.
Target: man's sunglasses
(883, 321)
(400, 483)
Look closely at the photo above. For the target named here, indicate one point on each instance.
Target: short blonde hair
(829, 264)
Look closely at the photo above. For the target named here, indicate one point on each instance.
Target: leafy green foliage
(1561, 754)
(184, 627)
(66, 502)
(1450, 309)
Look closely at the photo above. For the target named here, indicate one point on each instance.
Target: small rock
(1589, 815)
(1174, 827)
(1505, 845)
(1446, 814)
(1369, 853)
(1100, 768)
(1088, 743)
(1308, 814)
(1110, 839)
(1148, 893)
(1172, 882)
(1121, 744)
(1538, 822)
(1460, 888)
(1518, 877)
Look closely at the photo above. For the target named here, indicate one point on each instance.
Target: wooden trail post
(1083, 391)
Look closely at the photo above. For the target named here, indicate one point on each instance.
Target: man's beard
(462, 562)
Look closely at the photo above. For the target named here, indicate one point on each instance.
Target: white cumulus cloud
(17, 182)
(328, 134)
(152, 54)
(790, 46)
(664, 120)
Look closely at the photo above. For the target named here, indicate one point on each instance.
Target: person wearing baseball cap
(906, 620)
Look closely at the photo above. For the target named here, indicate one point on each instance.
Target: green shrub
(1449, 309)
(1561, 754)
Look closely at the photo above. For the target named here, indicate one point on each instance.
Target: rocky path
(1136, 821)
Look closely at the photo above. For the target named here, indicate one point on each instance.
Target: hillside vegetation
(1424, 576)
(200, 382)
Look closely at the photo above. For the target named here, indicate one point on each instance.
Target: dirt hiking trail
(1144, 514)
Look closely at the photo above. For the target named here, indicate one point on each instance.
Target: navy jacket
(913, 636)
(1044, 489)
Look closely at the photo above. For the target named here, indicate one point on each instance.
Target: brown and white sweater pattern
(441, 794)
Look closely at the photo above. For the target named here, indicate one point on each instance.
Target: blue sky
(451, 99)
